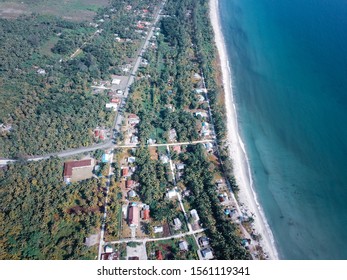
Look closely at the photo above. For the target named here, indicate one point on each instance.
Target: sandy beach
(247, 197)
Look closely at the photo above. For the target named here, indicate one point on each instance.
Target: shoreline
(246, 196)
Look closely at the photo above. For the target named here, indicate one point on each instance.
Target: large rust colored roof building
(133, 216)
(70, 166)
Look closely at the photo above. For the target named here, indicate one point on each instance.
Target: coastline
(246, 195)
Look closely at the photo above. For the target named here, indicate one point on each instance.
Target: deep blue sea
(289, 68)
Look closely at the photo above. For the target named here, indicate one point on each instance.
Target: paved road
(6, 161)
(143, 49)
(144, 240)
(117, 122)
(106, 145)
(164, 145)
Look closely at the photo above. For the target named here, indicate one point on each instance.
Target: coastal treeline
(42, 218)
(185, 46)
(197, 31)
(198, 178)
(206, 52)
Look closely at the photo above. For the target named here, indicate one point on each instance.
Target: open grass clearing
(74, 10)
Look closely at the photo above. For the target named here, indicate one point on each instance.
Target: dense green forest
(42, 218)
(44, 94)
(47, 112)
(153, 179)
(198, 178)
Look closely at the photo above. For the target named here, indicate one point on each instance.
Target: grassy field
(76, 10)
(46, 49)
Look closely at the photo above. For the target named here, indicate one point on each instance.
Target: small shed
(207, 253)
(130, 184)
(131, 194)
(171, 194)
(204, 241)
(145, 212)
(164, 158)
(194, 215)
(108, 249)
(183, 245)
(116, 81)
(177, 223)
(158, 229)
(131, 159)
(179, 166)
(159, 255)
(125, 171)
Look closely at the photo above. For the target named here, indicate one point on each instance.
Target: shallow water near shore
(289, 63)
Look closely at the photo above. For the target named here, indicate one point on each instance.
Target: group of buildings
(77, 170)
(136, 212)
(132, 131)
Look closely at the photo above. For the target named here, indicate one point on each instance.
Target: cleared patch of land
(80, 174)
(75, 10)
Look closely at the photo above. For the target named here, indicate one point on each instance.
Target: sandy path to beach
(247, 197)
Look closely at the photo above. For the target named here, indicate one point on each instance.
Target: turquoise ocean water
(289, 68)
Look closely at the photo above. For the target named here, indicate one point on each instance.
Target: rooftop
(69, 165)
(133, 217)
(207, 253)
(183, 245)
(195, 215)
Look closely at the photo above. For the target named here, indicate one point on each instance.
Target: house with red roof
(145, 213)
(176, 149)
(133, 119)
(159, 255)
(115, 100)
(133, 216)
(140, 25)
(130, 184)
(78, 170)
(125, 171)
